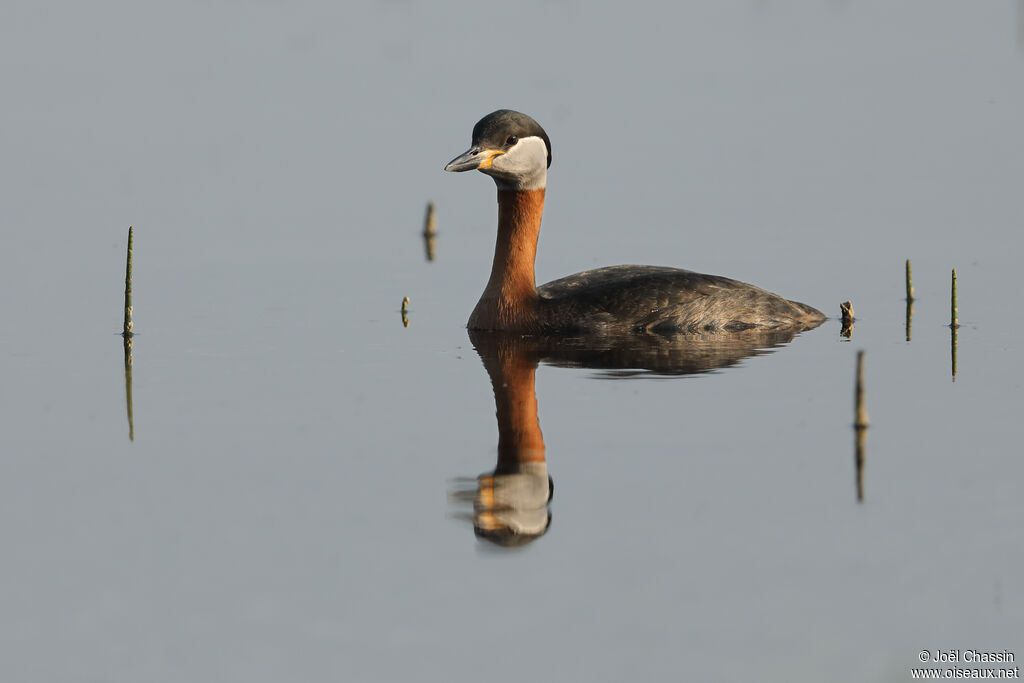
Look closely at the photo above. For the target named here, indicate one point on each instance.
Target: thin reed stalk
(128, 324)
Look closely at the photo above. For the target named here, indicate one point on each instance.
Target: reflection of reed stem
(128, 287)
(954, 324)
(860, 425)
(910, 316)
(128, 385)
(952, 342)
(910, 299)
(862, 438)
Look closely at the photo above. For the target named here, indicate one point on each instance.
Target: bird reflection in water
(511, 504)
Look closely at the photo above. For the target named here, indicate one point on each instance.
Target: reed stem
(861, 415)
(846, 315)
(954, 314)
(430, 221)
(127, 332)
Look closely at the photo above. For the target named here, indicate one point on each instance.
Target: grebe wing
(658, 299)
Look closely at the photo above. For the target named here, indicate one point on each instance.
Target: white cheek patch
(523, 167)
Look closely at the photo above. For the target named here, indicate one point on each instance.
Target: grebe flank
(513, 149)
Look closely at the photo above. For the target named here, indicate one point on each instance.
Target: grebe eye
(512, 139)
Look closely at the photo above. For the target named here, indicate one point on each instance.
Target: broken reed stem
(910, 284)
(954, 314)
(127, 332)
(405, 312)
(846, 313)
(430, 221)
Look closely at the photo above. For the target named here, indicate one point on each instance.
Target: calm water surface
(286, 509)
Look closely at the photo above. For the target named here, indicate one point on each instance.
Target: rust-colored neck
(509, 301)
(512, 371)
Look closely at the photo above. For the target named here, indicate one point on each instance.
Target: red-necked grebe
(513, 149)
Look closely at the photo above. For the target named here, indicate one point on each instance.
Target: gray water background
(282, 513)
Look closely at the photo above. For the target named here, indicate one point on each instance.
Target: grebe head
(510, 147)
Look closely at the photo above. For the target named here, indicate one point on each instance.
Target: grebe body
(514, 150)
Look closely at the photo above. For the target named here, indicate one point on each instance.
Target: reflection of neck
(519, 437)
(510, 298)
